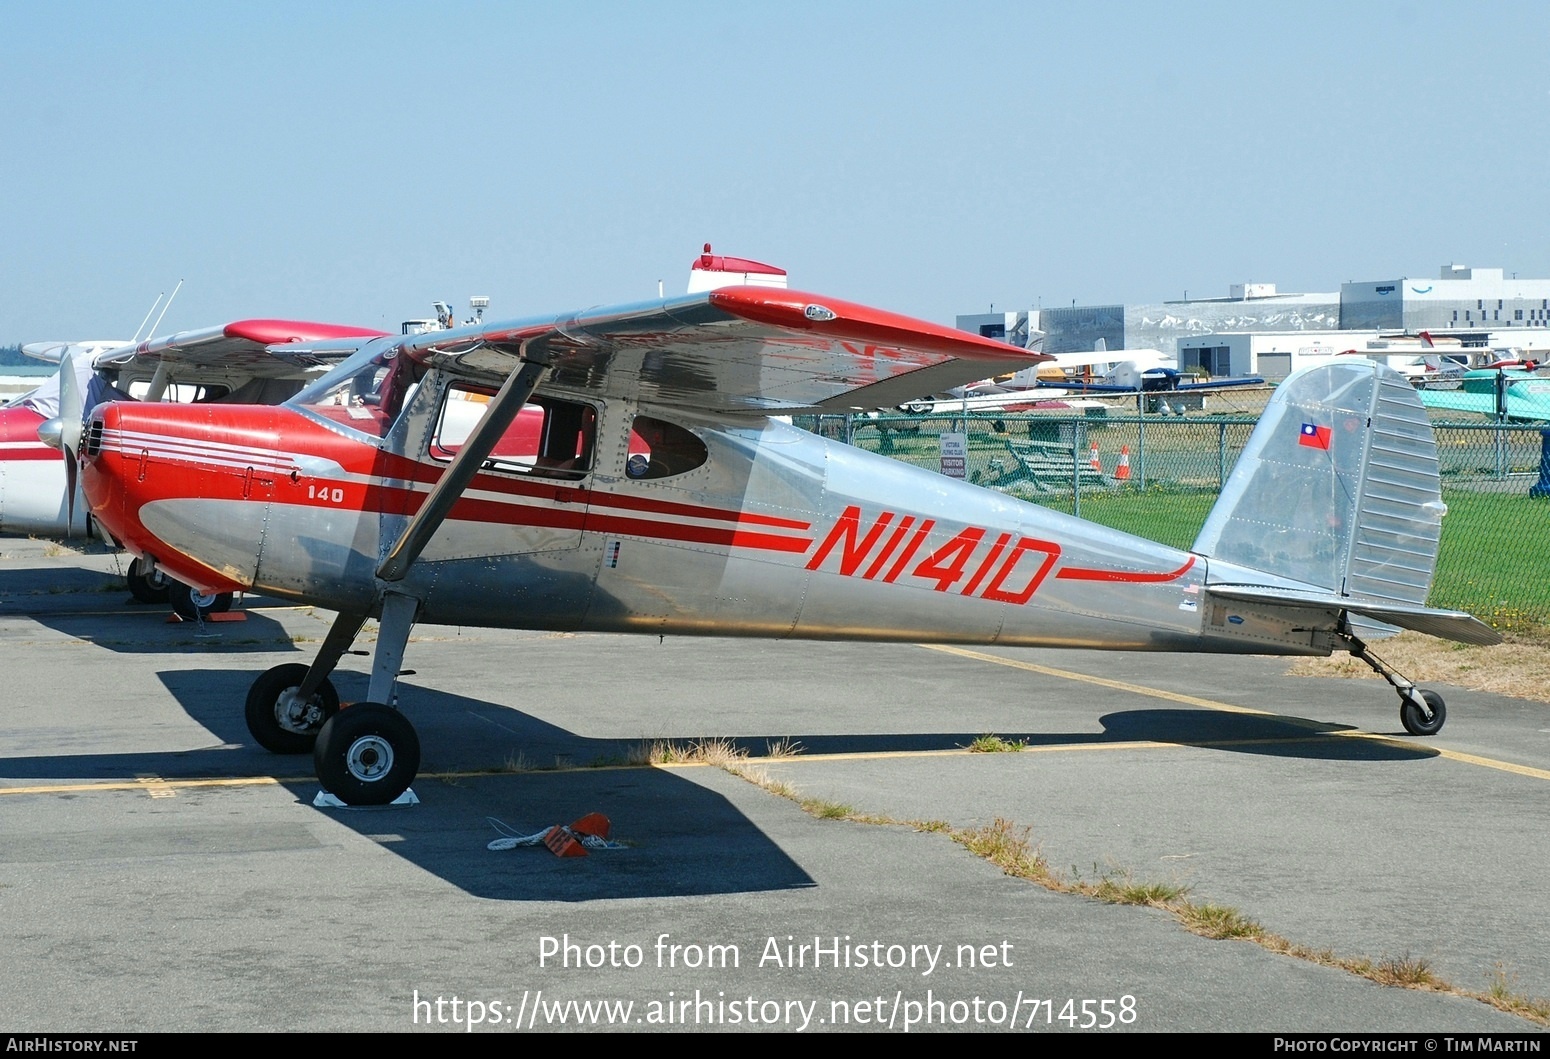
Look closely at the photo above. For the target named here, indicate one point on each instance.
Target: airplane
(1501, 393)
(1119, 372)
(629, 472)
(248, 361)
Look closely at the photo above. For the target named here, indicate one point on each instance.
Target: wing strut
(519, 386)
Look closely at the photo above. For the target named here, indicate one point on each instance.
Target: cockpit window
(364, 393)
(659, 449)
(549, 438)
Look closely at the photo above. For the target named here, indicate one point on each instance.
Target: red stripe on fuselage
(1078, 573)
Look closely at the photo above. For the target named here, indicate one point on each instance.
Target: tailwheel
(1425, 717)
(1421, 711)
(367, 754)
(148, 586)
(280, 720)
(191, 604)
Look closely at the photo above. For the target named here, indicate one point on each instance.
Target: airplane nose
(186, 485)
(100, 481)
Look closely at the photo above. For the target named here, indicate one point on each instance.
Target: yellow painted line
(155, 785)
(1226, 707)
(1492, 763)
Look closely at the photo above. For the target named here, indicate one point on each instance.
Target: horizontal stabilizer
(1448, 624)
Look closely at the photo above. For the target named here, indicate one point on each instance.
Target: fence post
(1542, 487)
(1221, 455)
(1141, 454)
(1076, 473)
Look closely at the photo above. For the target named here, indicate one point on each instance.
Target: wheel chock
(594, 824)
(572, 841)
(562, 842)
(590, 832)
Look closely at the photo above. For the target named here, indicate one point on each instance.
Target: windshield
(364, 393)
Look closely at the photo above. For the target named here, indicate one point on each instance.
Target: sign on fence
(955, 454)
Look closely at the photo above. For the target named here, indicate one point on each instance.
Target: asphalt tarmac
(160, 872)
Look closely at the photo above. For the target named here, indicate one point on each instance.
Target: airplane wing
(253, 348)
(737, 349)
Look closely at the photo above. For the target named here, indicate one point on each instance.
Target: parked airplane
(1101, 371)
(629, 474)
(1501, 393)
(249, 362)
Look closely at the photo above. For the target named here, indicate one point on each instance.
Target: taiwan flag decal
(1315, 437)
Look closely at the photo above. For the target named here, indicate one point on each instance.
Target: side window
(548, 438)
(659, 449)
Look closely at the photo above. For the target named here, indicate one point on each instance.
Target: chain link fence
(1158, 477)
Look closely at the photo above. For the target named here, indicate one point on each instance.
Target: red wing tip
(283, 332)
(806, 311)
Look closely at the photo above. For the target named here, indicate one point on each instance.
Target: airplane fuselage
(777, 533)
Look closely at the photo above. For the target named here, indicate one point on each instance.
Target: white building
(1275, 355)
(1459, 300)
(1466, 303)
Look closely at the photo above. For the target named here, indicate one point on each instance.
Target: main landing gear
(1421, 710)
(364, 754)
(279, 718)
(190, 604)
(150, 584)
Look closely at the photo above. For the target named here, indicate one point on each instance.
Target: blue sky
(352, 162)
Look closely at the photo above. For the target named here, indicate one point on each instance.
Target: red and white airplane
(248, 362)
(626, 470)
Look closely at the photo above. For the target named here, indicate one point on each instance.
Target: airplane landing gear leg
(1421, 711)
(290, 703)
(368, 754)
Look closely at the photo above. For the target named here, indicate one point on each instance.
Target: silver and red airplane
(628, 470)
(248, 361)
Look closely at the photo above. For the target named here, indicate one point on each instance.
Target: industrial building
(1480, 307)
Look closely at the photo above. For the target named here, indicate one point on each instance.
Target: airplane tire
(278, 723)
(367, 754)
(189, 603)
(1410, 714)
(154, 587)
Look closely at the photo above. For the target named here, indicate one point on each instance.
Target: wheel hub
(369, 758)
(294, 714)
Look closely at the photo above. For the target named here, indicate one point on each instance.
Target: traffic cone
(1122, 471)
(1092, 458)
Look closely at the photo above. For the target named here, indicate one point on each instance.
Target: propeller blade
(72, 402)
(72, 410)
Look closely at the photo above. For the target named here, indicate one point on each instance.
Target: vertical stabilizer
(1337, 488)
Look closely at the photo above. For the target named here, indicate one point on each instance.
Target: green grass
(1169, 517)
(1495, 557)
(994, 744)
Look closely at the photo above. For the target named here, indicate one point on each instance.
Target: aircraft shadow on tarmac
(484, 762)
(110, 620)
(679, 838)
